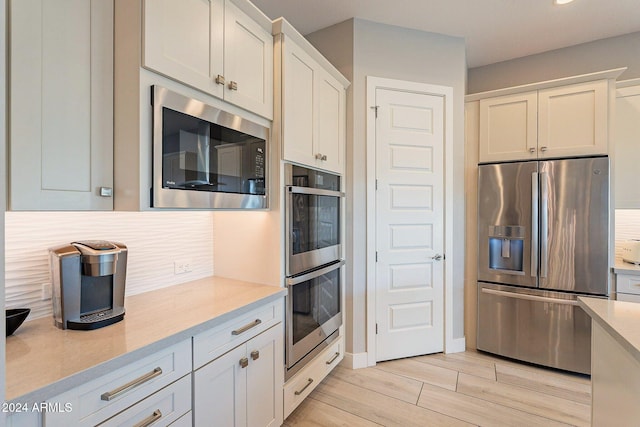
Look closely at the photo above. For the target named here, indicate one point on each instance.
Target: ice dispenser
(506, 245)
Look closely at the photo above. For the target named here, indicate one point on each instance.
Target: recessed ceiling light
(562, 1)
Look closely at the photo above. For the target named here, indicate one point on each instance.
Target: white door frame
(374, 83)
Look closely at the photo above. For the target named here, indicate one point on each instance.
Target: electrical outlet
(46, 291)
(182, 266)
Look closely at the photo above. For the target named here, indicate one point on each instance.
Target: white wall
(627, 227)
(398, 53)
(599, 55)
(154, 241)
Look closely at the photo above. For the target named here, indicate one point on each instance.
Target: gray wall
(599, 55)
(360, 48)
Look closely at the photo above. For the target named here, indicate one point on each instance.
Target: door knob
(437, 257)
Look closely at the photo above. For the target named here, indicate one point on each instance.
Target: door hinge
(376, 256)
(375, 108)
(376, 183)
(376, 329)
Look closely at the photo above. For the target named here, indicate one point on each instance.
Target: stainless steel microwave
(204, 157)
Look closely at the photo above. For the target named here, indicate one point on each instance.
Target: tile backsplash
(627, 226)
(155, 240)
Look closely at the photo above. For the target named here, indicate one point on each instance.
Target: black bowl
(15, 317)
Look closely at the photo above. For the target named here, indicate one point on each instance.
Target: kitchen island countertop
(43, 361)
(619, 318)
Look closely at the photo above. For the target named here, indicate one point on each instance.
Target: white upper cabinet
(213, 46)
(310, 102)
(573, 120)
(627, 154)
(61, 104)
(509, 127)
(555, 120)
(183, 39)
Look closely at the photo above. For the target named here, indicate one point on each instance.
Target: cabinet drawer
(103, 397)
(628, 284)
(159, 409)
(184, 421)
(305, 381)
(215, 342)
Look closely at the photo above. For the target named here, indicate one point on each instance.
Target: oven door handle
(313, 191)
(292, 281)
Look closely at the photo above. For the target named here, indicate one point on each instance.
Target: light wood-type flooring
(461, 389)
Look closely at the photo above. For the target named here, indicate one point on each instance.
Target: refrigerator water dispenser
(506, 248)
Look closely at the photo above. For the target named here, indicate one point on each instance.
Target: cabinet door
(299, 97)
(265, 379)
(508, 127)
(183, 39)
(248, 63)
(220, 391)
(573, 120)
(331, 123)
(627, 154)
(61, 104)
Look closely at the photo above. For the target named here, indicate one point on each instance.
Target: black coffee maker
(88, 284)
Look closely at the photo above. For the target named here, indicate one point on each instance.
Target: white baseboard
(457, 345)
(355, 360)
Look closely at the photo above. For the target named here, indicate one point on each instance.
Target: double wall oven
(314, 263)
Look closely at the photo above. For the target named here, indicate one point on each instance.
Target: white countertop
(620, 319)
(622, 267)
(43, 361)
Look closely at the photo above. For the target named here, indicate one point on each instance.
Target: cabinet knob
(255, 355)
(244, 362)
(532, 149)
(543, 149)
(320, 156)
(233, 85)
(324, 157)
(220, 79)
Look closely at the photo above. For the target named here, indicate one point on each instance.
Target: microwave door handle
(313, 191)
(292, 281)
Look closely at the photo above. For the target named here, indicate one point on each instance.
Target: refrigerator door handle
(544, 223)
(529, 297)
(534, 223)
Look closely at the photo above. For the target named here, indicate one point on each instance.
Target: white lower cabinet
(159, 409)
(243, 387)
(307, 379)
(133, 392)
(23, 419)
(627, 287)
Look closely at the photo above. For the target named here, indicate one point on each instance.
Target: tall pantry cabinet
(61, 104)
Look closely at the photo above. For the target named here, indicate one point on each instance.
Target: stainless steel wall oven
(313, 263)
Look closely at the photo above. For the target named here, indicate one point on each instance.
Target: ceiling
(495, 30)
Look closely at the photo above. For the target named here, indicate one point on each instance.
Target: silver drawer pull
(246, 327)
(132, 384)
(150, 419)
(335, 356)
(309, 382)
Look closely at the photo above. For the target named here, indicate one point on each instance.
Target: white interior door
(409, 224)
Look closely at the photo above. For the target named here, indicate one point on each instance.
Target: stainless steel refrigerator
(543, 237)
